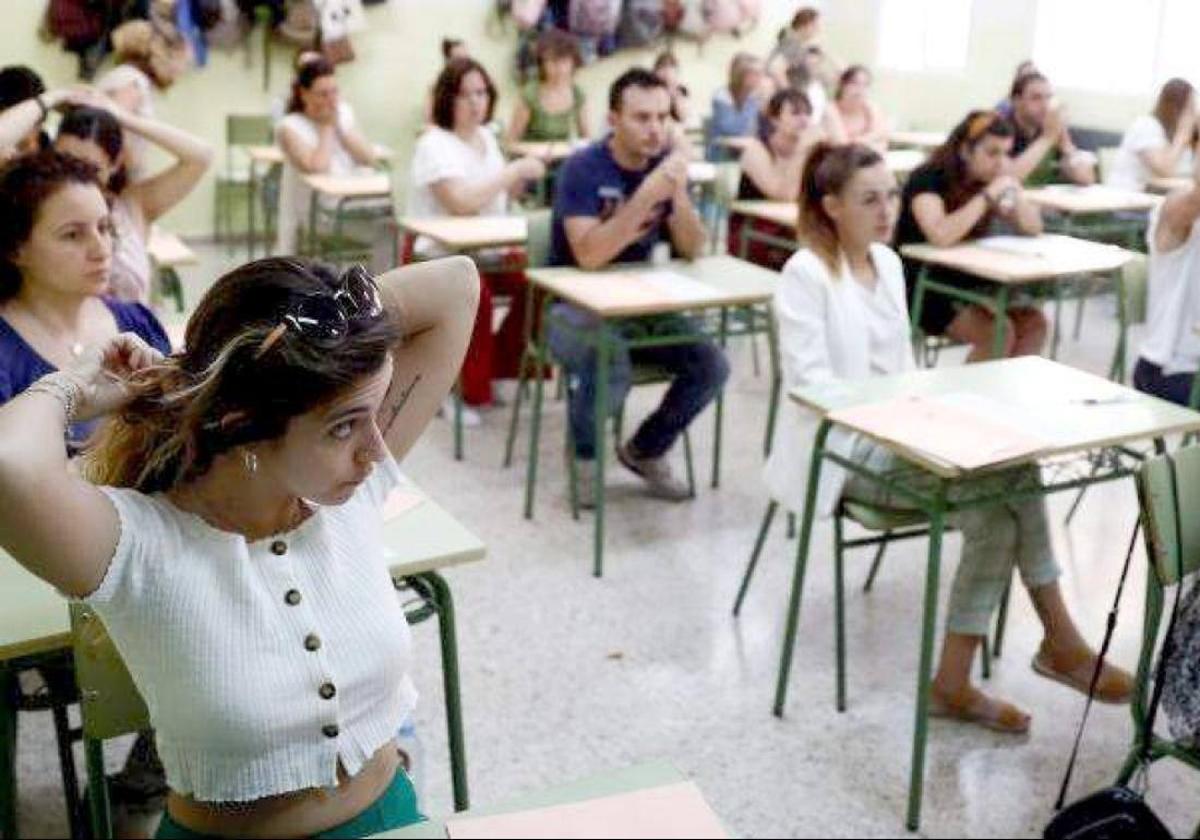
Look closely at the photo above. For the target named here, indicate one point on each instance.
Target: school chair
(233, 183)
(1172, 561)
(890, 525)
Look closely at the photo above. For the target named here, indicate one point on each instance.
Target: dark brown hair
(804, 17)
(848, 76)
(555, 43)
(222, 392)
(948, 159)
(638, 77)
(26, 183)
(98, 126)
(828, 170)
(306, 76)
(446, 88)
(1023, 81)
(797, 99)
(448, 45)
(1172, 99)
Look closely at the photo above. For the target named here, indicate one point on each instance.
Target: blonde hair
(739, 68)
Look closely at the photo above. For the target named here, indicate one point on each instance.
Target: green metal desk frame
(1068, 473)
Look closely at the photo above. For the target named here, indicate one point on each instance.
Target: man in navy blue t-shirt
(617, 199)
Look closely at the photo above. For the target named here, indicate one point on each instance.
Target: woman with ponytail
(226, 528)
(843, 315)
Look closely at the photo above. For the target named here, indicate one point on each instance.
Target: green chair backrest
(110, 703)
(537, 245)
(1135, 283)
(246, 130)
(1158, 513)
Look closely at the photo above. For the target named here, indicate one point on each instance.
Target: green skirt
(395, 808)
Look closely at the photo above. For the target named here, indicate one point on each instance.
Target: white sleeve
(1146, 133)
(142, 547)
(385, 478)
(434, 160)
(801, 307)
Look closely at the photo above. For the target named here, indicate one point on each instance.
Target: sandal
(973, 706)
(1115, 685)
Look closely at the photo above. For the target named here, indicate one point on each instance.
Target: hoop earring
(250, 461)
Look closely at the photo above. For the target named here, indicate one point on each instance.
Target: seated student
(1043, 152)
(1161, 144)
(964, 191)
(56, 249)
(96, 134)
(1004, 106)
(1170, 354)
(279, 104)
(771, 166)
(20, 86)
(551, 107)
(860, 118)
(617, 199)
(226, 527)
(842, 315)
(794, 54)
(735, 108)
(318, 135)
(666, 67)
(458, 170)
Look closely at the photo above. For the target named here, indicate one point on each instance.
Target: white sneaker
(470, 417)
(656, 472)
(585, 487)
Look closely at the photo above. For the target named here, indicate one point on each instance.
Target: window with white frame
(924, 35)
(1120, 46)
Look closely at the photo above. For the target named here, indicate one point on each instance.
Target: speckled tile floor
(565, 675)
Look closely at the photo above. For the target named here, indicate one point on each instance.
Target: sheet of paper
(670, 811)
(963, 431)
(400, 502)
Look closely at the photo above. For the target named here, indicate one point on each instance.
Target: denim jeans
(1148, 378)
(699, 370)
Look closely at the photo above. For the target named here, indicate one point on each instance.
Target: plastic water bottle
(412, 747)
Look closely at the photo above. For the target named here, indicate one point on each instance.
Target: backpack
(79, 23)
(594, 18)
(642, 23)
(1181, 675)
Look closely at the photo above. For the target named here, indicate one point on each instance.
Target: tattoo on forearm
(393, 410)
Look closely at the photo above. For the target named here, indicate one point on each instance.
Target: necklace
(209, 513)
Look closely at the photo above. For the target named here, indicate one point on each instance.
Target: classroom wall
(1001, 37)
(397, 59)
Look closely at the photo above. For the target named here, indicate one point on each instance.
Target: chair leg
(514, 419)
(66, 761)
(754, 354)
(8, 752)
(791, 526)
(985, 658)
(1001, 621)
(101, 812)
(572, 471)
(839, 612)
(876, 563)
(758, 544)
(1079, 316)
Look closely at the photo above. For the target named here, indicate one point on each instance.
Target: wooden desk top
(903, 161)
(366, 185)
(738, 144)
(553, 151)
(1061, 257)
(622, 291)
(784, 213)
(34, 618)
(917, 139)
(271, 154)
(628, 780)
(167, 250)
(1074, 200)
(1072, 410)
(1166, 185)
(468, 233)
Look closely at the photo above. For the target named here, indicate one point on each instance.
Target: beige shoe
(1075, 671)
(973, 706)
(656, 472)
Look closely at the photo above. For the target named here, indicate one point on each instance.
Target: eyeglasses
(324, 319)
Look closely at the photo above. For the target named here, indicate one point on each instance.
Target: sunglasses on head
(324, 319)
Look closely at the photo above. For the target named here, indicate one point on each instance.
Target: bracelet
(63, 388)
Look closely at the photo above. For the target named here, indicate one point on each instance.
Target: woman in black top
(962, 192)
(771, 166)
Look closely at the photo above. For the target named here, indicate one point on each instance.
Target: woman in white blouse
(318, 136)
(1161, 144)
(842, 315)
(458, 170)
(228, 532)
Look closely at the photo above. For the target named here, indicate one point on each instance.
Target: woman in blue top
(735, 108)
(56, 248)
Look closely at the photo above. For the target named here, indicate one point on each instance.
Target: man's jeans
(699, 369)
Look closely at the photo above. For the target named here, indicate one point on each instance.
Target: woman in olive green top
(551, 105)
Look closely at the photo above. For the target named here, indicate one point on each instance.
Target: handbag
(1120, 812)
